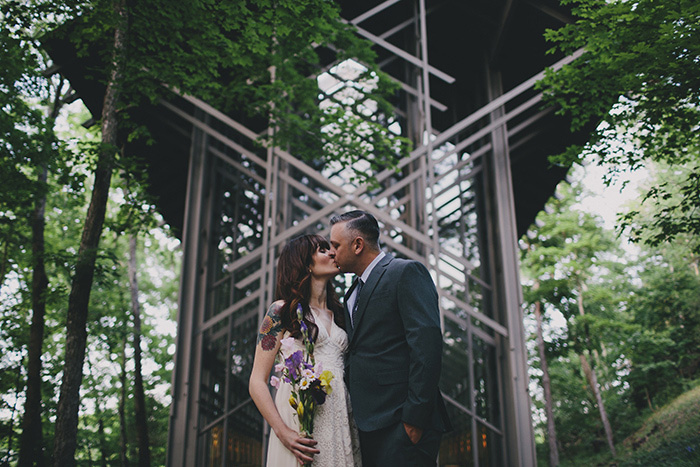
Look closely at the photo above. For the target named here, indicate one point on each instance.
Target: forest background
(89, 271)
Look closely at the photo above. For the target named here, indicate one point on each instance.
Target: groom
(395, 346)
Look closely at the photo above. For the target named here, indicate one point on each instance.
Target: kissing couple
(376, 357)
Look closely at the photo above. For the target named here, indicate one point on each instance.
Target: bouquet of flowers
(310, 383)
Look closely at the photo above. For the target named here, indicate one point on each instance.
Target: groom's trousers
(391, 446)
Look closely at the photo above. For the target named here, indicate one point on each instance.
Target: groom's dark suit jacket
(395, 349)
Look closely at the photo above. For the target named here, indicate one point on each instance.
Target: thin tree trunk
(31, 441)
(593, 383)
(76, 332)
(5, 254)
(123, 441)
(139, 396)
(651, 406)
(102, 437)
(546, 385)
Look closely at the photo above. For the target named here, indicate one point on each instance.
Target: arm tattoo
(270, 327)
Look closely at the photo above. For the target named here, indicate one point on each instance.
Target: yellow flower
(292, 402)
(326, 377)
(300, 409)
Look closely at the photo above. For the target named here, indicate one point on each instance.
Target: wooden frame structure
(451, 205)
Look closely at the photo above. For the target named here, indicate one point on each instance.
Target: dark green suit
(395, 348)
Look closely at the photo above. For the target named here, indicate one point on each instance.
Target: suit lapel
(368, 289)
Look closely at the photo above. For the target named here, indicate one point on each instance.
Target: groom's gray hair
(362, 223)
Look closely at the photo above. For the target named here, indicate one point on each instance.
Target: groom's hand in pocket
(414, 433)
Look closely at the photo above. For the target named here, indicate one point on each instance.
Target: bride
(304, 271)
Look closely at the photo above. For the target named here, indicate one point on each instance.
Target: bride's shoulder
(275, 307)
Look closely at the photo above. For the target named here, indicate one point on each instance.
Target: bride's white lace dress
(334, 428)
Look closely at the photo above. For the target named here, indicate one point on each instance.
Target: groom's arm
(418, 308)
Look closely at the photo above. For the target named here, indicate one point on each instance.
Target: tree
(214, 51)
(546, 383)
(638, 78)
(564, 257)
(663, 347)
(76, 336)
(31, 153)
(139, 398)
(31, 440)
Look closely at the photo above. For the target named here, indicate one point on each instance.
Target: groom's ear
(358, 244)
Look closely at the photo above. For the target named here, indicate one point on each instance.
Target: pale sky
(603, 200)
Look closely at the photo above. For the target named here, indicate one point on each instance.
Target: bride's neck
(318, 295)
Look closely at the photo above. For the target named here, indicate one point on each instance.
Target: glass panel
(456, 446)
(244, 445)
(238, 214)
(454, 379)
(210, 447)
(219, 298)
(213, 378)
(490, 447)
(486, 390)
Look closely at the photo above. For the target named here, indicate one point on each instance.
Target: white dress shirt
(363, 277)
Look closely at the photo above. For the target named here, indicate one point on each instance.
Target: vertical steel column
(430, 175)
(519, 440)
(267, 279)
(182, 436)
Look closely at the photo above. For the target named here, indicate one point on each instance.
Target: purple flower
(293, 362)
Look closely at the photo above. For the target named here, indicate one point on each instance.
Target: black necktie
(358, 289)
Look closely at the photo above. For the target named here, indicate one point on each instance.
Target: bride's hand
(302, 448)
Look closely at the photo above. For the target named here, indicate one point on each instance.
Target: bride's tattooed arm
(271, 326)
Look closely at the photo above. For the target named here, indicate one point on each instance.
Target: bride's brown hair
(294, 284)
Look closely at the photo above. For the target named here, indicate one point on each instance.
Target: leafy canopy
(254, 59)
(640, 79)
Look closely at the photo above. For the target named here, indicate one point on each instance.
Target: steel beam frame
(449, 205)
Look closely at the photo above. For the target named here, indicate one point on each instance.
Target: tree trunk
(593, 383)
(5, 254)
(102, 438)
(546, 385)
(123, 441)
(139, 396)
(31, 441)
(76, 332)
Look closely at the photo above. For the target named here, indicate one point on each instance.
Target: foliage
(641, 328)
(254, 59)
(664, 346)
(571, 267)
(638, 78)
(673, 216)
(669, 436)
(67, 187)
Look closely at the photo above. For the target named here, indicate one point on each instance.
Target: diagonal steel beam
(372, 11)
(403, 54)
